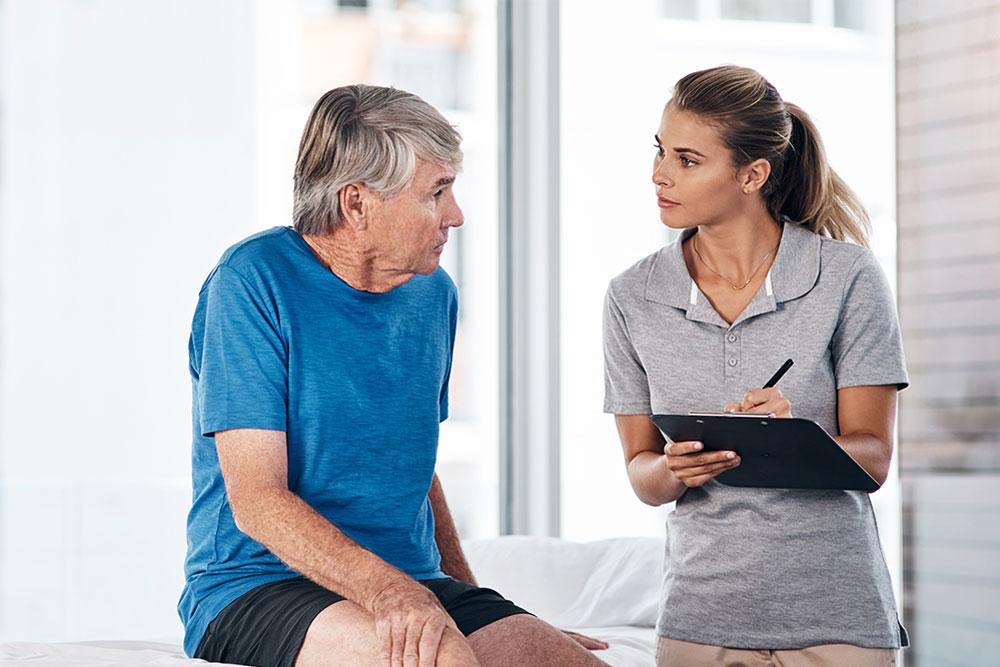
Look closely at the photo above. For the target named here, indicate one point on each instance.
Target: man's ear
(755, 175)
(355, 205)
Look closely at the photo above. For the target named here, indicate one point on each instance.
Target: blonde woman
(772, 263)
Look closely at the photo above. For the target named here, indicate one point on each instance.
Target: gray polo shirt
(763, 568)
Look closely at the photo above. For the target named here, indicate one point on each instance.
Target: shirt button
(732, 338)
(732, 361)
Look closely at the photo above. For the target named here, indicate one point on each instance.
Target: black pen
(777, 376)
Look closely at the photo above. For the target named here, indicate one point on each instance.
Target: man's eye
(438, 194)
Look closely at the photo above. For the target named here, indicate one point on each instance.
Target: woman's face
(696, 180)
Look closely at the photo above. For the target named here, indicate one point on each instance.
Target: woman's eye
(659, 149)
(687, 162)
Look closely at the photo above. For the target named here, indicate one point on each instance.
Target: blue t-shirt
(357, 381)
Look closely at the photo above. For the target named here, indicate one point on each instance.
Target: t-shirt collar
(794, 272)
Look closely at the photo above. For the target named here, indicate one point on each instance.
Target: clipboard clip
(751, 415)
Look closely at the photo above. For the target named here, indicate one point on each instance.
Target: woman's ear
(354, 205)
(754, 175)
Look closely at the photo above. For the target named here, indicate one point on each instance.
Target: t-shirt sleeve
(243, 378)
(867, 346)
(453, 326)
(626, 387)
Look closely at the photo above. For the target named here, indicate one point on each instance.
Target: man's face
(408, 231)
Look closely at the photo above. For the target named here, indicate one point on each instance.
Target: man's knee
(344, 634)
(526, 640)
(455, 651)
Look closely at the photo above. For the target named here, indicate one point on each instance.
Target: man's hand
(586, 642)
(409, 622)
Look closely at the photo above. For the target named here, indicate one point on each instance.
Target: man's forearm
(446, 536)
(308, 543)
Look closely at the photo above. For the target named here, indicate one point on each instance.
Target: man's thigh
(344, 634)
(526, 640)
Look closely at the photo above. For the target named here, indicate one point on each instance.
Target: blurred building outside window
(849, 14)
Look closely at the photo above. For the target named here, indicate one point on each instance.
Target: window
(849, 14)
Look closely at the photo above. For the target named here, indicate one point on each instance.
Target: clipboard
(774, 453)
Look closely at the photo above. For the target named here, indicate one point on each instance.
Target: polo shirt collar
(794, 272)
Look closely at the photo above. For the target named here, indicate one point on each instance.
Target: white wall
(128, 164)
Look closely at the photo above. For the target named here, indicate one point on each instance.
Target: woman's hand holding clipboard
(692, 466)
(765, 448)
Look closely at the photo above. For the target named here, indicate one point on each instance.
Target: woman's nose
(660, 176)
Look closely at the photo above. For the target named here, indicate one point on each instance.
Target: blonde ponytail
(811, 191)
(754, 123)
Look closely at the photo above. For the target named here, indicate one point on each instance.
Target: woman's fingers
(768, 400)
(709, 470)
(678, 462)
(681, 448)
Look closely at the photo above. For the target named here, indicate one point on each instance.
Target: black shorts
(266, 627)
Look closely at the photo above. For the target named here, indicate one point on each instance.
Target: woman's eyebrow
(681, 149)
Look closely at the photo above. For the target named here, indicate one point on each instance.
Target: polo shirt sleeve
(867, 346)
(243, 378)
(626, 386)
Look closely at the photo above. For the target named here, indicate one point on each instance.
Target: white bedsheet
(630, 647)
(607, 589)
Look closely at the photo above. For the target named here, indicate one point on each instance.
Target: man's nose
(455, 217)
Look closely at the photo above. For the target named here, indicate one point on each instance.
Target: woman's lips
(663, 202)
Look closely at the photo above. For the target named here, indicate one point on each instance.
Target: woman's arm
(867, 417)
(659, 474)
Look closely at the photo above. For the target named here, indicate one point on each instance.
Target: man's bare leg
(344, 634)
(525, 640)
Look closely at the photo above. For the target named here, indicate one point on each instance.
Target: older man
(320, 358)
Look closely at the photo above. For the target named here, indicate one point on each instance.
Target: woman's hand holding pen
(692, 466)
(765, 401)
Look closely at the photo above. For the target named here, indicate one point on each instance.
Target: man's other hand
(586, 642)
(409, 622)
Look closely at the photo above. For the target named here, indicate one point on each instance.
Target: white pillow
(572, 584)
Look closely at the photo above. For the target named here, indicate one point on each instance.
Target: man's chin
(431, 266)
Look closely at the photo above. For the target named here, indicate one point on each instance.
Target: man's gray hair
(370, 135)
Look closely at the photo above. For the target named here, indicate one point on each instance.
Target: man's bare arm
(452, 557)
(254, 466)
(409, 619)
